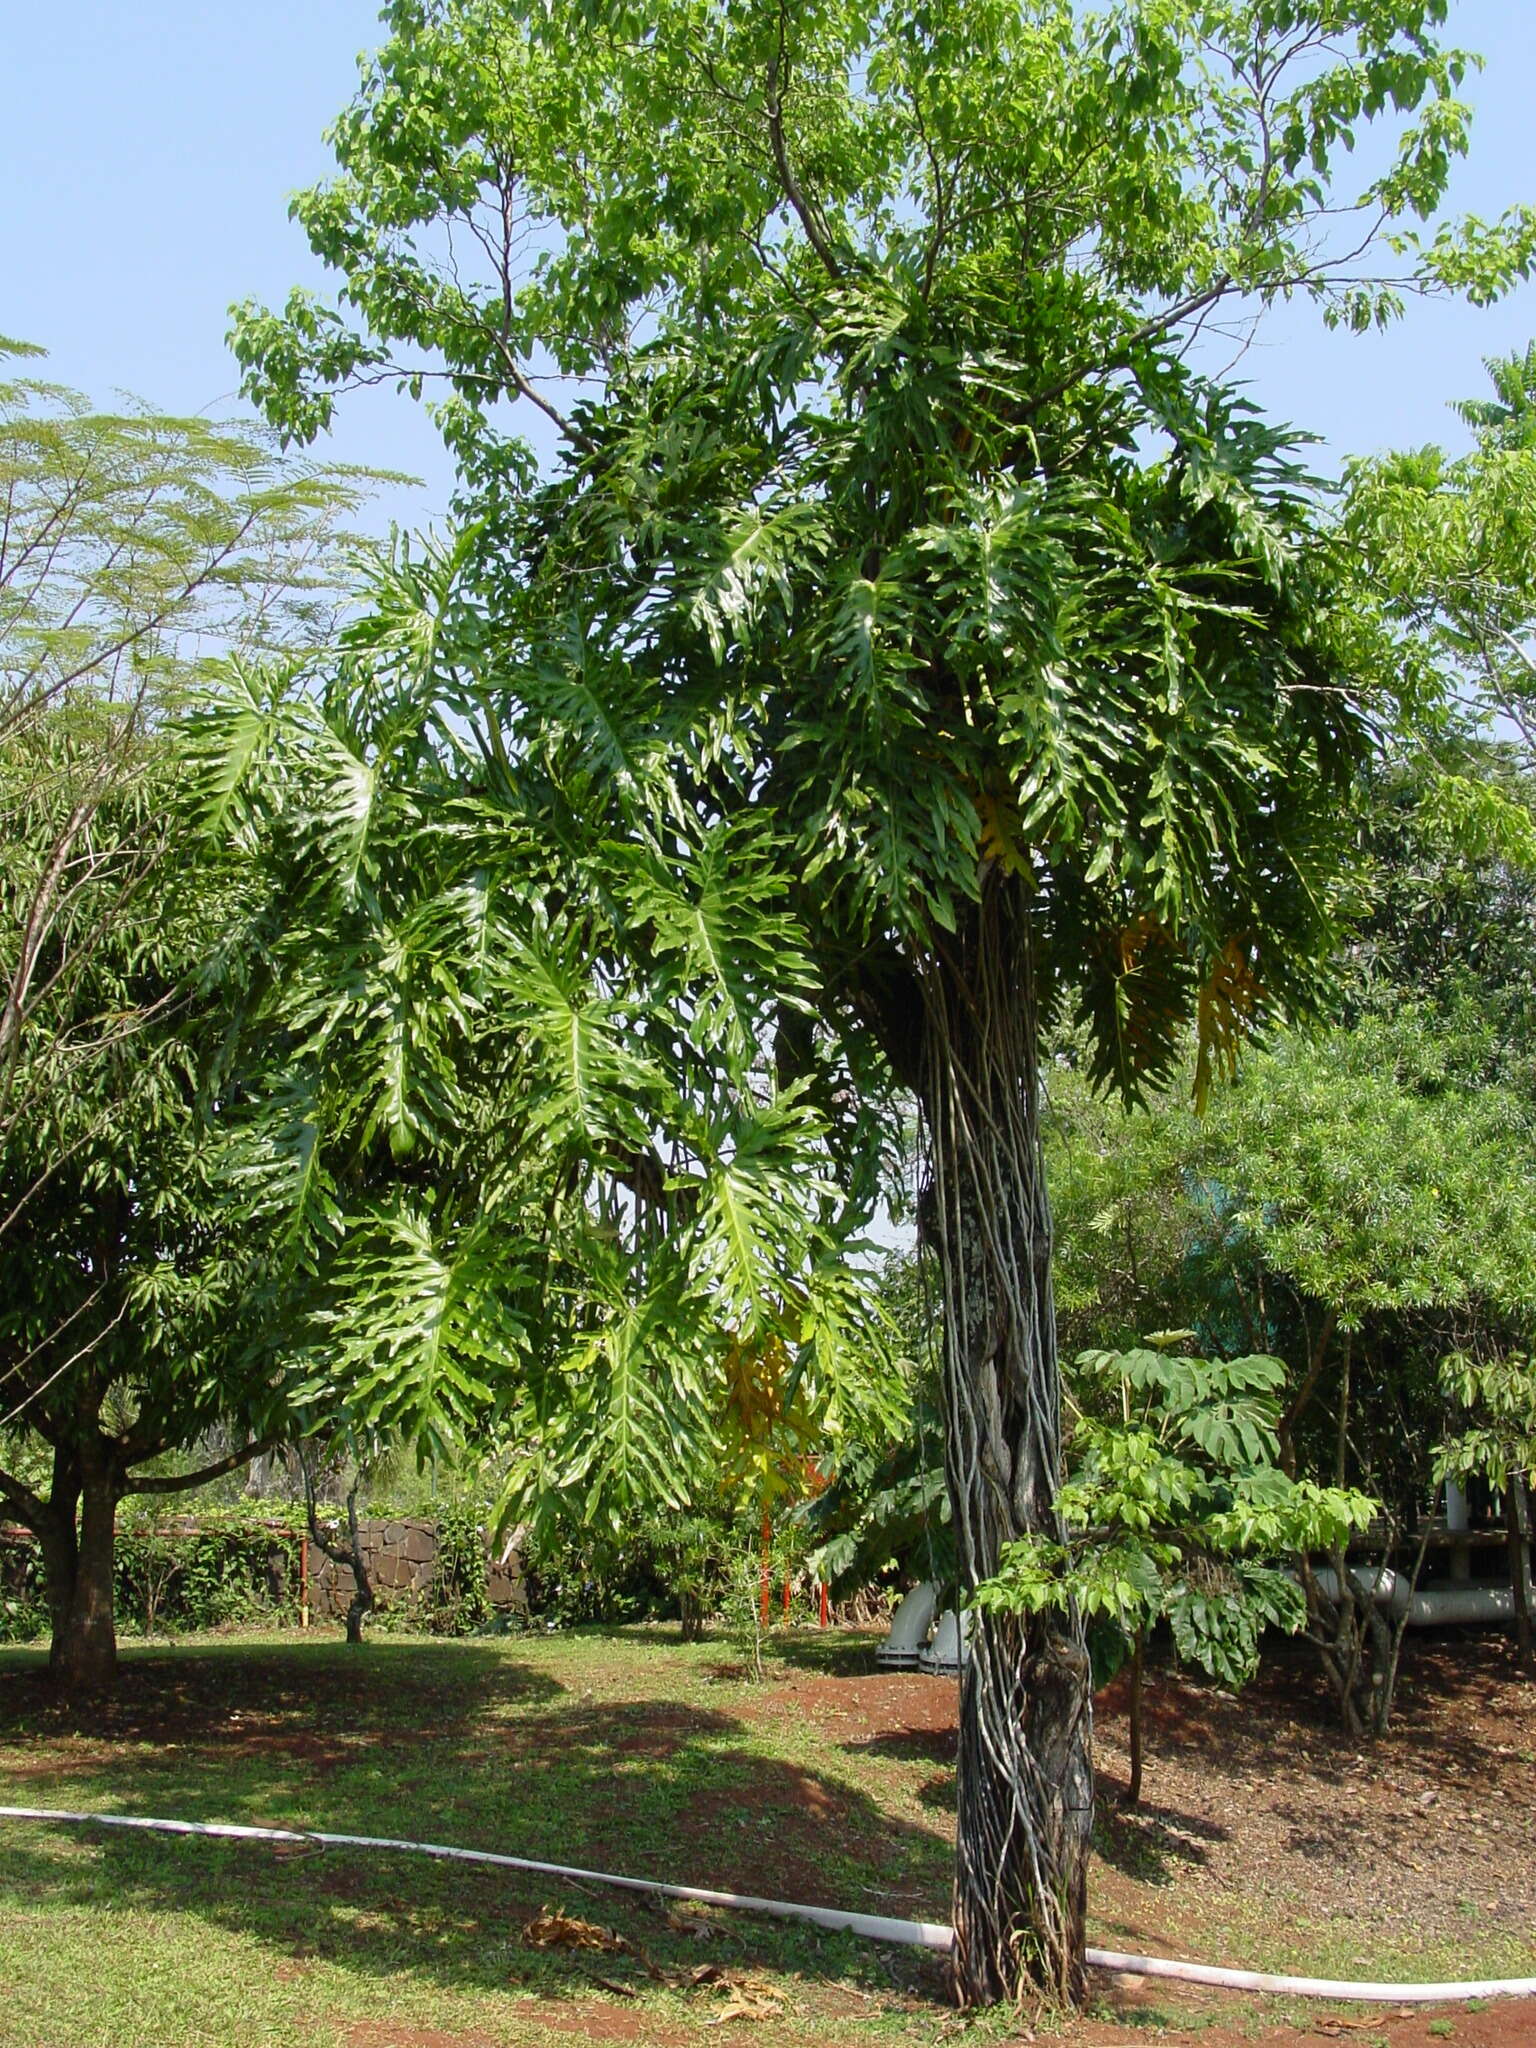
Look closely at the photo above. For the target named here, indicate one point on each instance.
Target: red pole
(824, 1604)
(786, 1599)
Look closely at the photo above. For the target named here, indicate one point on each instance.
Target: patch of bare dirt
(1425, 1830)
(1508, 2024)
(881, 1703)
(1261, 1801)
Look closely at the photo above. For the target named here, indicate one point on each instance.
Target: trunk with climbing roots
(1025, 1792)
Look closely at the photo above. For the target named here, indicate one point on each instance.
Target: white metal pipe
(911, 1625)
(1431, 1606)
(1312, 1987)
(871, 1926)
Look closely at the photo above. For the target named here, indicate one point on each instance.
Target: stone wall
(401, 1557)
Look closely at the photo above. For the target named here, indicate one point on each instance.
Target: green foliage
(577, 1573)
(138, 554)
(460, 1593)
(1451, 541)
(1176, 1509)
(1378, 1181)
(886, 1510)
(1494, 1406)
(23, 1594)
(760, 730)
(530, 1173)
(175, 1574)
(226, 1566)
(744, 1562)
(1086, 627)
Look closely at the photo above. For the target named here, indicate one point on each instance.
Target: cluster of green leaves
(460, 1591)
(123, 1289)
(137, 553)
(1449, 541)
(230, 1566)
(1493, 1403)
(529, 1170)
(1175, 1508)
(517, 179)
(892, 530)
(23, 1593)
(1369, 1185)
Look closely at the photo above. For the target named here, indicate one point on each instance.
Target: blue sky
(147, 148)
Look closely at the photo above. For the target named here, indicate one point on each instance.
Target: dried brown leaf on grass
(612, 1984)
(552, 1929)
(748, 1998)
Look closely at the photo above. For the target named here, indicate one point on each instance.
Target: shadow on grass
(835, 1654)
(1153, 1844)
(468, 1744)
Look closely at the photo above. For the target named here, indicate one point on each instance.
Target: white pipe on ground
(871, 1926)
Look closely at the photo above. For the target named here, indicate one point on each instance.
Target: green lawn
(620, 1751)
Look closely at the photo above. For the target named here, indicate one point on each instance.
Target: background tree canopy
(137, 553)
(894, 545)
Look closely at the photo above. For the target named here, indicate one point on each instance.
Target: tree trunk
(83, 1653)
(1025, 1790)
(1517, 1515)
(350, 1553)
(1138, 1672)
(361, 1604)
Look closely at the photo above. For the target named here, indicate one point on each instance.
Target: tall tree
(890, 517)
(125, 1326)
(136, 552)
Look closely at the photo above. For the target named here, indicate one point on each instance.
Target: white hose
(871, 1926)
(910, 1933)
(1312, 1987)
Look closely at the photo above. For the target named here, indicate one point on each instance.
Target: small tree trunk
(1025, 1778)
(349, 1553)
(361, 1604)
(1138, 1663)
(83, 1653)
(1517, 1519)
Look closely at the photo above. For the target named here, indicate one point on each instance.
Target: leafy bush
(742, 1605)
(23, 1605)
(1176, 1509)
(231, 1566)
(695, 1566)
(458, 1602)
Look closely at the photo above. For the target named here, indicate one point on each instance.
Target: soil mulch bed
(1424, 1830)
